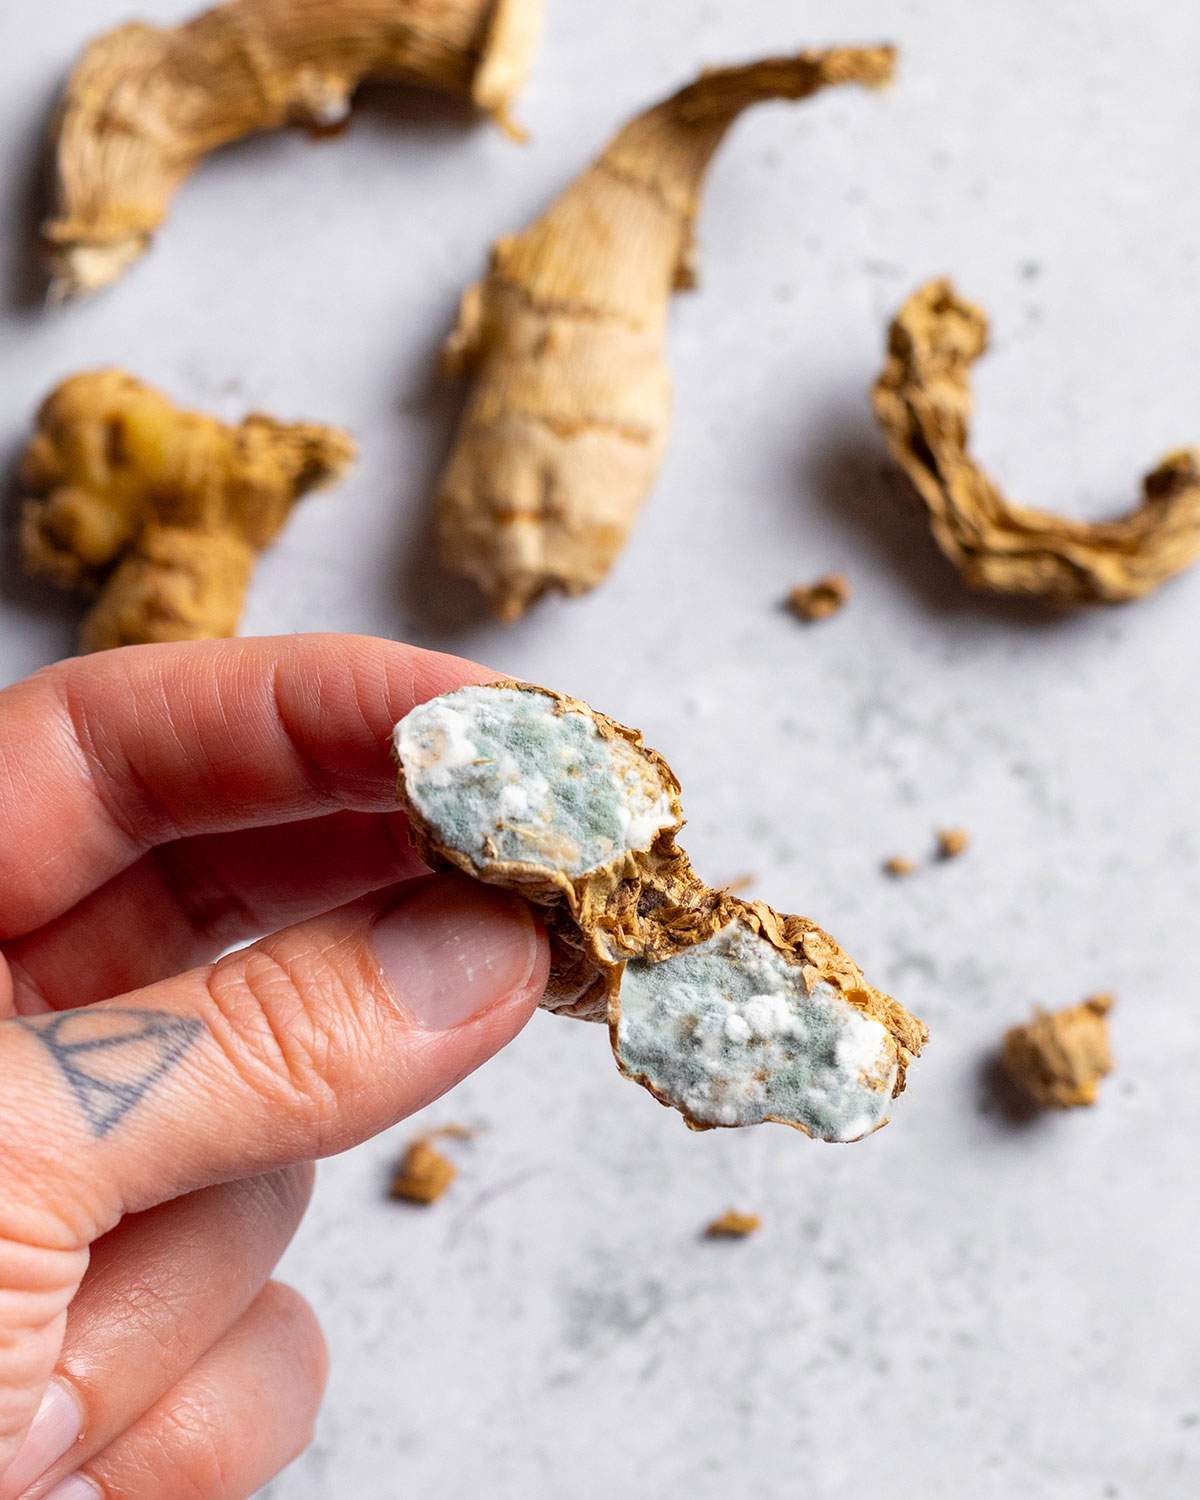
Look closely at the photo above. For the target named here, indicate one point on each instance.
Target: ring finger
(238, 1417)
(161, 1289)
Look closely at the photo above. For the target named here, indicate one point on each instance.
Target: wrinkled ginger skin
(923, 402)
(160, 511)
(145, 104)
(567, 420)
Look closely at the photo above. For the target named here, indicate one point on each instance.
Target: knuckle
(283, 1021)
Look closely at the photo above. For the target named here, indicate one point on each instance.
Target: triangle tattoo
(112, 1058)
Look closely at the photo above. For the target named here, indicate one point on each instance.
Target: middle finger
(161, 1289)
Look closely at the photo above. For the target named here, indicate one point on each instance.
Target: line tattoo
(113, 1058)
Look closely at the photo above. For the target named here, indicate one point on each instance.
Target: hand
(156, 805)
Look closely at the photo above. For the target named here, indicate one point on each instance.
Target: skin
(206, 793)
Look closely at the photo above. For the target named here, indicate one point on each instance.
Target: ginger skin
(145, 104)
(568, 416)
(923, 402)
(160, 511)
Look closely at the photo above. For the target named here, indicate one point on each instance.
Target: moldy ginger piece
(424, 1172)
(145, 104)
(159, 511)
(733, 1225)
(722, 1008)
(1059, 1058)
(817, 601)
(567, 419)
(923, 403)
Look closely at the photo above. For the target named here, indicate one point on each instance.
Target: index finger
(104, 757)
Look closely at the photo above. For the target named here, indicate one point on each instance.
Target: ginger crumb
(1058, 1059)
(733, 1225)
(898, 867)
(952, 842)
(817, 601)
(424, 1172)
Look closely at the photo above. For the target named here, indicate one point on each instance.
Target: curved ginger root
(567, 422)
(923, 402)
(145, 104)
(159, 510)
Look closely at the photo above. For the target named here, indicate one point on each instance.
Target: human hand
(156, 805)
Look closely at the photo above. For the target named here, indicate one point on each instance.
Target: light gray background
(958, 1306)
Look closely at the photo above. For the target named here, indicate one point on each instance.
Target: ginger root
(159, 511)
(567, 419)
(1059, 1058)
(723, 1008)
(145, 104)
(923, 402)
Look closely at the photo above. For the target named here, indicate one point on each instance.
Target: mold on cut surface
(724, 1009)
(737, 1035)
(509, 775)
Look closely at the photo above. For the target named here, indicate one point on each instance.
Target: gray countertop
(960, 1305)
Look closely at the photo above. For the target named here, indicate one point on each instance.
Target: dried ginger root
(721, 1007)
(567, 420)
(952, 843)
(161, 512)
(145, 104)
(923, 402)
(1059, 1058)
(424, 1172)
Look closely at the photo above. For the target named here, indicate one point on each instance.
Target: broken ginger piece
(819, 600)
(159, 512)
(145, 104)
(923, 403)
(1058, 1059)
(899, 867)
(722, 1008)
(952, 842)
(566, 422)
(733, 1225)
(424, 1173)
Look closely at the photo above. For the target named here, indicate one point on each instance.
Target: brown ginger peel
(157, 511)
(1059, 1058)
(723, 1008)
(923, 402)
(568, 414)
(145, 104)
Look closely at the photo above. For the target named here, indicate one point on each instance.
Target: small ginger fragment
(819, 600)
(898, 867)
(952, 842)
(733, 1225)
(159, 512)
(424, 1173)
(723, 1008)
(145, 104)
(923, 402)
(1059, 1058)
(566, 423)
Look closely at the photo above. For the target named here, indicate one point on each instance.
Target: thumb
(300, 1046)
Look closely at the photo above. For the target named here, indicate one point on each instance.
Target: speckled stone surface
(961, 1305)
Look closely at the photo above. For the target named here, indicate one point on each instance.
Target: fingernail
(76, 1487)
(453, 948)
(54, 1430)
